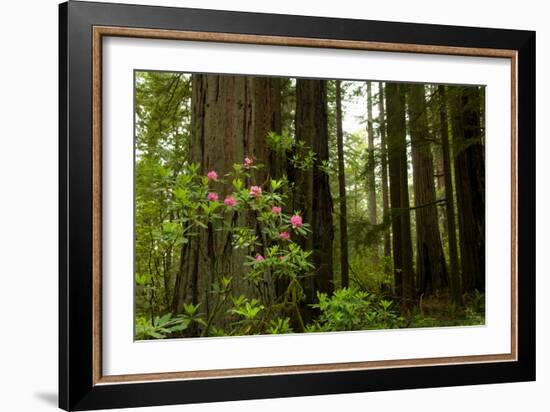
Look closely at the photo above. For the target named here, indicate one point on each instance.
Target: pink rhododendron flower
(213, 196)
(296, 221)
(255, 191)
(276, 209)
(212, 175)
(259, 258)
(284, 235)
(230, 201)
(248, 162)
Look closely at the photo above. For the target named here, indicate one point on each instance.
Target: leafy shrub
(279, 326)
(371, 272)
(352, 309)
(161, 327)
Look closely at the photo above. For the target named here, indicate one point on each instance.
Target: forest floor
(438, 311)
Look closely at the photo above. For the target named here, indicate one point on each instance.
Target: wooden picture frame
(83, 26)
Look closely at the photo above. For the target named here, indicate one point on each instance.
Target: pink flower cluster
(248, 162)
(212, 175)
(213, 196)
(259, 258)
(230, 201)
(284, 235)
(296, 221)
(255, 191)
(276, 210)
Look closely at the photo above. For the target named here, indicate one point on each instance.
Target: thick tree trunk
(384, 164)
(454, 272)
(469, 166)
(399, 193)
(313, 196)
(231, 116)
(431, 269)
(344, 258)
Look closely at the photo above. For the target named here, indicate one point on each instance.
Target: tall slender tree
(431, 268)
(469, 164)
(344, 258)
(399, 193)
(439, 170)
(384, 167)
(454, 270)
(313, 195)
(371, 183)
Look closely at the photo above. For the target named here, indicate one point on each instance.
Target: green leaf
(238, 184)
(184, 324)
(155, 335)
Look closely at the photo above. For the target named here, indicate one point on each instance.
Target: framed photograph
(256, 206)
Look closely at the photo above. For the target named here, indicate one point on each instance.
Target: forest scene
(270, 205)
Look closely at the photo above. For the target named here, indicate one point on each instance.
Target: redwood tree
(231, 117)
(454, 270)
(469, 165)
(344, 259)
(399, 192)
(371, 183)
(313, 197)
(431, 268)
(384, 167)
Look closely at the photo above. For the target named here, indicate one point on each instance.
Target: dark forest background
(277, 205)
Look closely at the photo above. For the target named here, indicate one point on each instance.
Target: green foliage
(248, 310)
(163, 115)
(279, 326)
(299, 155)
(478, 302)
(161, 327)
(351, 309)
(371, 273)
